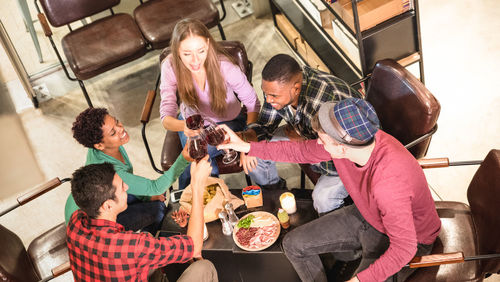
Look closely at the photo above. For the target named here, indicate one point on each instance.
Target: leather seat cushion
(49, 250)
(103, 45)
(157, 18)
(458, 233)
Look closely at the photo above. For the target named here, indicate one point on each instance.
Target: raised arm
(143, 186)
(308, 151)
(199, 174)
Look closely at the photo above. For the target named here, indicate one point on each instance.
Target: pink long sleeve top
(237, 87)
(390, 191)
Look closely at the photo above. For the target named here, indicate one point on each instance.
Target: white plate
(261, 219)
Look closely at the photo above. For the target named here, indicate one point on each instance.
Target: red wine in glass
(194, 122)
(197, 148)
(213, 135)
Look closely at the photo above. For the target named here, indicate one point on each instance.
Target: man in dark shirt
(100, 249)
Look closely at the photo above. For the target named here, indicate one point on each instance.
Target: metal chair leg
(222, 35)
(302, 179)
(84, 90)
(249, 181)
(223, 7)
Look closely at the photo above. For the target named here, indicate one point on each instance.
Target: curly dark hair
(91, 186)
(87, 128)
(280, 68)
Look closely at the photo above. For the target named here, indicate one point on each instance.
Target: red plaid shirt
(102, 250)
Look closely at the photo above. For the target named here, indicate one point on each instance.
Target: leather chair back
(15, 264)
(484, 198)
(61, 12)
(406, 109)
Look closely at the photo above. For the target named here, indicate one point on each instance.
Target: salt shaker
(227, 228)
(233, 219)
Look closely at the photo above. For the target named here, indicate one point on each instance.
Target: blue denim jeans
(341, 231)
(237, 124)
(328, 194)
(147, 216)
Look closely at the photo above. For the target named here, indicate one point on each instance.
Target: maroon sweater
(390, 191)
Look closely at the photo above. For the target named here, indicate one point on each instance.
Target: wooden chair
(47, 255)
(406, 109)
(172, 146)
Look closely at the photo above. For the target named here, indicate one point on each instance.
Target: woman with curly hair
(104, 136)
(207, 81)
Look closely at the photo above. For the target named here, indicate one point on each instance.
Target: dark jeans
(147, 216)
(341, 231)
(237, 124)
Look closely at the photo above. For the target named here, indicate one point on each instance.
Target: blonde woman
(207, 81)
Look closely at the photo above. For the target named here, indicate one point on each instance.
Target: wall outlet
(42, 92)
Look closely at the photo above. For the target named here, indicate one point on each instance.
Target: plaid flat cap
(351, 121)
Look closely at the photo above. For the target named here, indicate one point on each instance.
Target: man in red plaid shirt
(100, 249)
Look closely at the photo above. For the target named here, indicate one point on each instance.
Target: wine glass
(194, 120)
(197, 147)
(215, 136)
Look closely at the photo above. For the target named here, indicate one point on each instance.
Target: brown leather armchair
(47, 255)
(172, 146)
(405, 107)
(469, 232)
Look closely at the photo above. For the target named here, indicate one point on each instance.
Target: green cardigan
(138, 185)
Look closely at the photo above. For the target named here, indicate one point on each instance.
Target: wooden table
(235, 264)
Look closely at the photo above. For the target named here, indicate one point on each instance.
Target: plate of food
(256, 231)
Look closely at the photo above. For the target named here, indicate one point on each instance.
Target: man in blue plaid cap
(393, 217)
(294, 94)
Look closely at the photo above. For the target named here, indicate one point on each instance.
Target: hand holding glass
(197, 147)
(215, 136)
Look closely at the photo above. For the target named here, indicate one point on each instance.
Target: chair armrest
(444, 162)
(148, 106)
(436, 259)
(35, 193)
(172, 147)
(39, 190)
(61, 269)
(45, 25)
(58, 271)
(434, 162)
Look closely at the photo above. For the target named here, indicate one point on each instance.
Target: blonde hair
(216, 82)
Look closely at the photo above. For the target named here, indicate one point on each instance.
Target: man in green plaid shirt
(294, 95)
